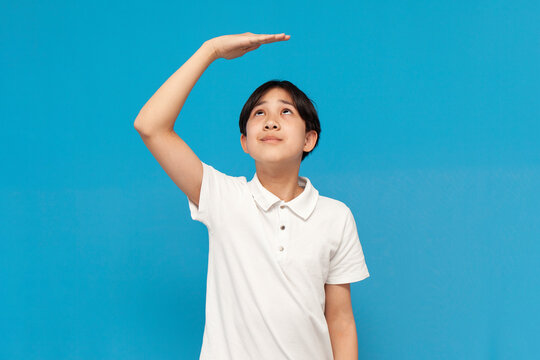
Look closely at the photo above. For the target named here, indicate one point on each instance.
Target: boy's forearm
(161, 110)
(344, 340)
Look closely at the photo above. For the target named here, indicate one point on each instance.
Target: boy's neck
(282, 183)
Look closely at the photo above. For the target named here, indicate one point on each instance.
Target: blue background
(430, 134)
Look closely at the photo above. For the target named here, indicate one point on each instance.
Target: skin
(233, 46)
(340, 319)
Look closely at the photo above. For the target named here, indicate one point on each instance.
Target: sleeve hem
(199, 212)
(195, 211)
(347, 279)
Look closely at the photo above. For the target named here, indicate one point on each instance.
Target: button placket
(283, 231)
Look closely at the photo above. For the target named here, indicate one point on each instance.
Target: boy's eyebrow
(283, 101)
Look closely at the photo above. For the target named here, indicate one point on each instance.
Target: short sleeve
(217, 190)
(348, 264)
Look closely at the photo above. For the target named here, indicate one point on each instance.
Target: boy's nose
(271, 124)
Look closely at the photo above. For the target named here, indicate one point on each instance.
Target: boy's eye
(258, 111)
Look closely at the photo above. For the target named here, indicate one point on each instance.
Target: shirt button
(282, 206)
(282, 227)
(281, 248)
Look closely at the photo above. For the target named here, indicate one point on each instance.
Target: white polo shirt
(267, 265)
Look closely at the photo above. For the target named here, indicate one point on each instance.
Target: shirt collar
(303, 205)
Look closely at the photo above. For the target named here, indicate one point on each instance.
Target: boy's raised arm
(155, 121)
(160, 112)
(155, 124)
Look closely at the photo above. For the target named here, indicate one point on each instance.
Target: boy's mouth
(271, 141)
(270, 138)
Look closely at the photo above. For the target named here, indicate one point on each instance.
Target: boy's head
(278, 108)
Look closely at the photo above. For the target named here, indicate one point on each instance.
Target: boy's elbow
(137, 124)
(141, 129)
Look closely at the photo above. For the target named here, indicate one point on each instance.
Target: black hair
(305, 107)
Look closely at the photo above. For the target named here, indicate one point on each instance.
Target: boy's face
(272, 117)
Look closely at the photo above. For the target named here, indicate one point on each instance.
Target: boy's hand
(233, 46)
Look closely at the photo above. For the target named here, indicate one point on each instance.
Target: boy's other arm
(340, 319)
(155, 124)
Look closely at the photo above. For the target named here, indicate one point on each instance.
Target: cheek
(250, 127)
(299, 134)
(251, 131)
(251, 140)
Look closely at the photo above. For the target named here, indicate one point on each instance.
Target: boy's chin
(273, 160)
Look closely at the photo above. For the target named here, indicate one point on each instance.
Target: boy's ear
(311, 140)
(243, 142)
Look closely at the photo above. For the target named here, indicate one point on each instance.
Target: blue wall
(430, 134)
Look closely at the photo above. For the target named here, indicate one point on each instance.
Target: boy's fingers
(269, 38)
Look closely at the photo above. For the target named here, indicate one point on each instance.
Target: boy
(281, 257)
